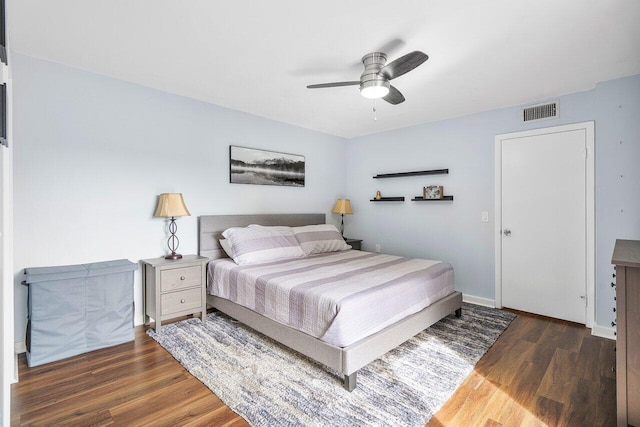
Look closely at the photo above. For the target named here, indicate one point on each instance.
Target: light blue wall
(452, 230)
(617, 112)
(92, 154)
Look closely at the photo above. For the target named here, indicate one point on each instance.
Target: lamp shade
(171, 205)
(342, 206)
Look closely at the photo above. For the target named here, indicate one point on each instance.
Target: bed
(343, 345)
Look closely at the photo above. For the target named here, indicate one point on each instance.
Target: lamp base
(173, 255)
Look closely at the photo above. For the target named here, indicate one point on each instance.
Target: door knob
(507, 232)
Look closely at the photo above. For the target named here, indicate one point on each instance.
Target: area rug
(270, 385)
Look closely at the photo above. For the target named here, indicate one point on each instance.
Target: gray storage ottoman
(74, 309)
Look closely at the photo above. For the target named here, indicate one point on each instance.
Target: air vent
(540, 111)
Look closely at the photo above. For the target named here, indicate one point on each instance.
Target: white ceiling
(258, 56)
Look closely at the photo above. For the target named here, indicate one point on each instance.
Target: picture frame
(263, 167)
(433, 192)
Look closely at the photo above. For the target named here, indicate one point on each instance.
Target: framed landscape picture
(261, 167)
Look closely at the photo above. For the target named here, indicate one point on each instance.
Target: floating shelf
(422, 199)
(415, 173)
(388, 199)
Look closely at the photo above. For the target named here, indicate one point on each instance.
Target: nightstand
(174, 288)
(355, 243)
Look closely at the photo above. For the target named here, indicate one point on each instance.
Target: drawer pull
(181, 277)
(182, 301)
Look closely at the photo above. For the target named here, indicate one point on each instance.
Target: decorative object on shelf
(378, 195)
(388, 199)
(342, 206)
(171, 205)
(415, 173)
(422, 199)
(432, 192)
(261, 167)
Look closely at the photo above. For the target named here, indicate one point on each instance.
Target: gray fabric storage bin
(74, 309)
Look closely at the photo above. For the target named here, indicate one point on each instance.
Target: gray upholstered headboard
(210, 227)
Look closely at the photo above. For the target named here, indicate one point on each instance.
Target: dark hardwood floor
(540, 372)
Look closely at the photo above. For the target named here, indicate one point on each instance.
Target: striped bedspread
(338, 297)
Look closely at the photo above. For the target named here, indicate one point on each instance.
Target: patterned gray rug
(270, 385)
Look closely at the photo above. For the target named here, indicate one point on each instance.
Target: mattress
(338, 297)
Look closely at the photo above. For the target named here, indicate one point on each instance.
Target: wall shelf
(422, 199)
(415, 173)
(388, 199)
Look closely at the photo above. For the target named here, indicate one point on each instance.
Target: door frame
(589, 129)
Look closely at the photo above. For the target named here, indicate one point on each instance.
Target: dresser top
(626, 253)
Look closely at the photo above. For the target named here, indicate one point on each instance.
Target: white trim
(485, 302)
(588, 127)
(9, 360)
(497, 223)
(603, 332)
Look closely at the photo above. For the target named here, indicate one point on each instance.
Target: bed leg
(350, 381)
(459, 313)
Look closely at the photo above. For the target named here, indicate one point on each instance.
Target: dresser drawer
(180, 278)
(175, 302)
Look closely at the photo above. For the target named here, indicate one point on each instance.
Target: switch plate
(378, 247)
(484, 217)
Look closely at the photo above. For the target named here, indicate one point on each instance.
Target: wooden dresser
(626, 257)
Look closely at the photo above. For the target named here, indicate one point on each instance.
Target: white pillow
(227, 247)
(256, 244)
(321, 238)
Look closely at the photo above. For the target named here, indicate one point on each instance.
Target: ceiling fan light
(374, 89)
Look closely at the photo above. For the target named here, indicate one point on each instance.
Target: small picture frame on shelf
(432, 192)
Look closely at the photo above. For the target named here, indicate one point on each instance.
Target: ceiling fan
(374, 81)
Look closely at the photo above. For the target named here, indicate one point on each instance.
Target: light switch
(484, 216)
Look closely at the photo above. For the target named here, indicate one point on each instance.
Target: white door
(544, 222)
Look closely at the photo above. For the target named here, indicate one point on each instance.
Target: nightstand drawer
(175, 302)
(180, 278)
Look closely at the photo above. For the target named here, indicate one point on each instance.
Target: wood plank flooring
(540, 372)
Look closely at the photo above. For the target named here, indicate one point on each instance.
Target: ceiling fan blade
(394, 96)
(403, 65)
(337, 84)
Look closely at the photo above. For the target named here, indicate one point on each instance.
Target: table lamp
(342, 206)
(171, 205)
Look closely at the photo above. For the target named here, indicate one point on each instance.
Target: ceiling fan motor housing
(373, 85)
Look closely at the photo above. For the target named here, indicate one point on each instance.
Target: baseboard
(603, 332)
(485, 302)
(139, 320)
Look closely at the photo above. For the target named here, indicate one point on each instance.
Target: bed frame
(346, 360)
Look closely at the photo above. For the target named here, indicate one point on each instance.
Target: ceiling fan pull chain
(375, 114)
